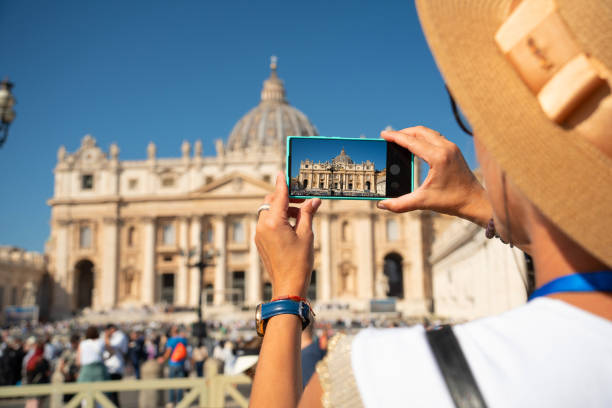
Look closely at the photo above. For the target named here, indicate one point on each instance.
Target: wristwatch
(265, 311)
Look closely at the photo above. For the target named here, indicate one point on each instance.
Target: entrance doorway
(167, 288)
(395, 276)
(84, 283)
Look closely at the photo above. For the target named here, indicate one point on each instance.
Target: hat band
(541, 47)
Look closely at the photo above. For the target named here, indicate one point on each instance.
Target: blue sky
(326, 149)
(137, 71)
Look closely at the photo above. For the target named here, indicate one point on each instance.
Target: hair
(92, 332)
(75, 338)
(111, 326)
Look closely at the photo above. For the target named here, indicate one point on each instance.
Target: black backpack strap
(454, 368)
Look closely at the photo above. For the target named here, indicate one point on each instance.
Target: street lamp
(7, 114)
(201, 264)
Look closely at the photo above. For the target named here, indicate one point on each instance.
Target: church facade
(339, 176)
(128, 233)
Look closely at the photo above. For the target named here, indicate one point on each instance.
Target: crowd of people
(72, 352)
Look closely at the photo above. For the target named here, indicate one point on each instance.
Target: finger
(280, 202)
(432, 136)
(419, 146)
(407, 202)
(303, 227)
(263, 214)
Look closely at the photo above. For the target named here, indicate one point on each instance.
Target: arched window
(346, 231)
(392, 230)
(238, 284)
(168, 234)
(85, 237)
(209, 293)
(131, 236)
(305, 184)
(238, 231)
(209, 233)
(394, 274)
(367, 185)
(267, 292)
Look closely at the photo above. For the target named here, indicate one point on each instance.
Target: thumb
(307, 211)
(405, 203)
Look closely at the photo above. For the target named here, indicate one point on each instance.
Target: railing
(209, 392)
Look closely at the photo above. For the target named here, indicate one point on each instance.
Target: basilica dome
(342, 158)
(270, 122)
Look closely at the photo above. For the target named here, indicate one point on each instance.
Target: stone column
(221, 258)
(64, 284)
(196, 244)
(181, 277)
(414, 278)
(110, 252)
(365, 262)
(148, 270)
(324, 281)
(254, 295)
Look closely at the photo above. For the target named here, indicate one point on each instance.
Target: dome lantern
(269, 123)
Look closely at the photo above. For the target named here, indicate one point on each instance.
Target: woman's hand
(450, 186)
(286, 251)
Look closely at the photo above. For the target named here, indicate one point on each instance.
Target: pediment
(234, 184)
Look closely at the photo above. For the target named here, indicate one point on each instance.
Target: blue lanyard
(600, 281)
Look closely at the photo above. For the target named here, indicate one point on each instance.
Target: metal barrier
(210, 392)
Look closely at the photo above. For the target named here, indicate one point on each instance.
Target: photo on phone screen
(343, 168)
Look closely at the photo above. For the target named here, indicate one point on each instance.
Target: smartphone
(347, 168)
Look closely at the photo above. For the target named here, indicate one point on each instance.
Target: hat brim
(557, 169)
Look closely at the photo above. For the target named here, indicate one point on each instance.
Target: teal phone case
(288, 167)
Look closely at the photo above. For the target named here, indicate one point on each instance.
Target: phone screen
(343, 168)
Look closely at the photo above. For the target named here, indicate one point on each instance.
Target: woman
(533, 78)
(90, 356)
(38, 371)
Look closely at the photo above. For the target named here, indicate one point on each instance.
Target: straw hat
(521, 72)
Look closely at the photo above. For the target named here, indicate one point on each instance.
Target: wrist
(288, 291)
(478, 210)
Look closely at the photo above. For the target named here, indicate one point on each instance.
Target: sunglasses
(466, 128)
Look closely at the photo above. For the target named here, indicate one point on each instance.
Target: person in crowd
(28, 348)
(199, 356)
(136, 351)
(38, 371)
(176, 355)
(67, 363)
(534, 79)
(90, 356)
(37, 366)
(229, 356)
(11, 361)
(150, 348)
(115, 363)
(311, 353)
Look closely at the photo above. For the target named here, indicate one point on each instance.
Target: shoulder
(393, 364)
(336, 375)
(541, 345)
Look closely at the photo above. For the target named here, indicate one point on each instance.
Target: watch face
(258, 322)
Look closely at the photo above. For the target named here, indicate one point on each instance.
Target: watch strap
(278, 307)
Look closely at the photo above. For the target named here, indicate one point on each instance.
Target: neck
(556, 255)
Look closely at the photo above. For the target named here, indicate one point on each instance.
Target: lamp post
(7, 114)
(201, 264)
